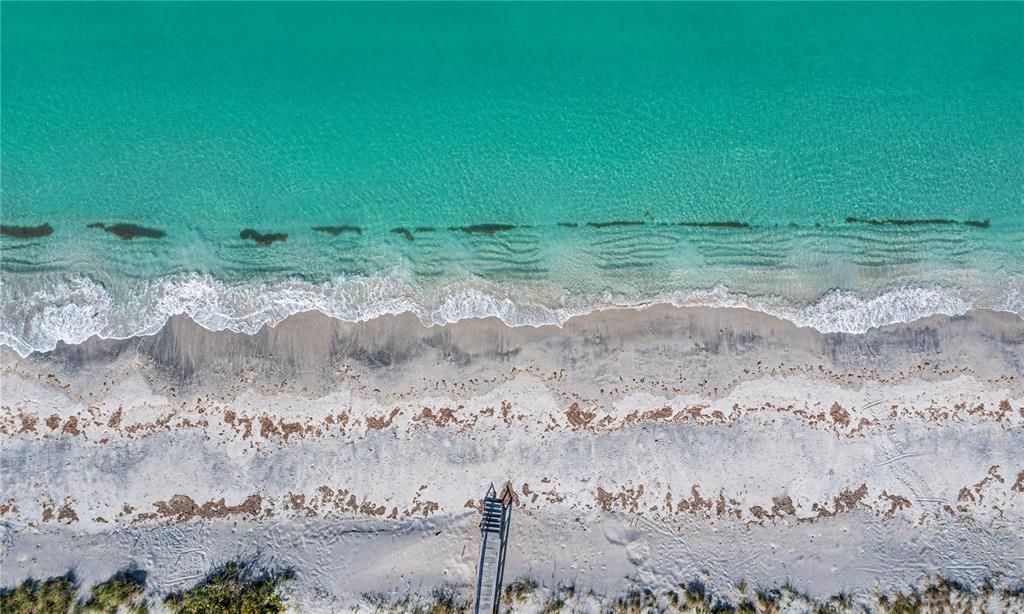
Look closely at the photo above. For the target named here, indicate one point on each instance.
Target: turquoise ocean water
(839, 165)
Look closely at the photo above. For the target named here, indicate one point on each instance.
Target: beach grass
(121, 594)
(41, 596)
(233, 588)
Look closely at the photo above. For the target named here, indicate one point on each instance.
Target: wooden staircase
(494, 541)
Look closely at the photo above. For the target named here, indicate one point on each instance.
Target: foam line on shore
(73, 310)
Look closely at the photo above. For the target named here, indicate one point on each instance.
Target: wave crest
(73, 310)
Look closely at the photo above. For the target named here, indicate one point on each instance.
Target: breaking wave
(73, 310)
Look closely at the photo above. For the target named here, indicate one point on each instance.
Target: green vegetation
(558, 599)
(901, 603)
(554, 603)
(519, 589)
(235, 588)
(445, 599)
(240, 588)
(120, 594)
(381, 603)
(635, 601)
(694, 597)
(931, 596)
(53, 596)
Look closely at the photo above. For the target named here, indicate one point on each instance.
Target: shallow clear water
(782, 120)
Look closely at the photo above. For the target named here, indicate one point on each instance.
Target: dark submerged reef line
(858, 220)
(262, 239)
(487, 229)
(26, 232)
(728, 224)
(405, 232)
(616, 223)
(338, 230)
(925, 222)
(127, 232)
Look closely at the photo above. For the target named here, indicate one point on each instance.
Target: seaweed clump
(725, 224)
(26, 232)
(405, 232)
(923, 222)
(127, 232)
(338, 230)
(487, 229)
(616, 223)
(260, 238)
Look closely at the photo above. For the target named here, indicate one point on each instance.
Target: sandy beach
(512, 308)
(645, 448)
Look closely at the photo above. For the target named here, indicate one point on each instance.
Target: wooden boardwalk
(494, 528)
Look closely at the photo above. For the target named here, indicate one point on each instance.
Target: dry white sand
(659, 445)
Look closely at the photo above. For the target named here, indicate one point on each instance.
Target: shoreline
(739, 343)
(74, 311)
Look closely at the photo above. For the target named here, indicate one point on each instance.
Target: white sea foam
(72, 310)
